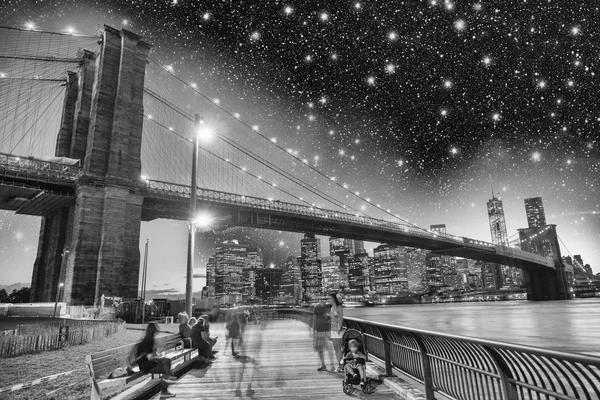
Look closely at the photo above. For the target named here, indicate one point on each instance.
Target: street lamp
(60, 286)
(202, 132)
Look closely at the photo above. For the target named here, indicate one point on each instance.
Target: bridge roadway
(34, 187)
(277, 361)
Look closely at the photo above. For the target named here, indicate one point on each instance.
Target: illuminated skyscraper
(536, 217)
(495, 275)
(389, 268)
(497, 221)
(234, 267)
(310, 267)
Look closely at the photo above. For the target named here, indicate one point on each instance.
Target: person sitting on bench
(199, 342)
(151, 363)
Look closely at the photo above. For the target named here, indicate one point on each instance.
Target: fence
(80, 332)
(465, 368)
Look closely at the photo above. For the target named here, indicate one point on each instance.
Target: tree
(3, 296)
(19, 296)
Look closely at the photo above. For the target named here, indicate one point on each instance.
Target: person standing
(321, 333)
(337, 325)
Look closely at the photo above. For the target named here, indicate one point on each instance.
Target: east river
(569, 325)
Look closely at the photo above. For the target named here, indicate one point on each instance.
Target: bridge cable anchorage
(257, 158)
(354, 194)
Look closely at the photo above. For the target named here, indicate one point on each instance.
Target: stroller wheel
(368, 389)
(348, 388)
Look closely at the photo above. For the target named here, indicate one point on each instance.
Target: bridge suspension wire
(207, 151)
(33, 71)
(237, 120)
(564, 245)
(255, 157)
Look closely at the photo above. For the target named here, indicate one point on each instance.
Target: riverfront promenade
(277, 361)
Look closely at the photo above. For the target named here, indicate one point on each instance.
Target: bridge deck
(279, 362)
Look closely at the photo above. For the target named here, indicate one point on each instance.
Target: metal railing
(31, 168)
(464, 368)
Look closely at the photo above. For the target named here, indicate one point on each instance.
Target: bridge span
(95, 207)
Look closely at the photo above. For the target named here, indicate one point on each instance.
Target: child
(355, 360)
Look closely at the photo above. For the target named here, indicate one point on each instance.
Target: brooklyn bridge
(123, 128)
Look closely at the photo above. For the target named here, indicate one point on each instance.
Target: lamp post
(60, 286)
(189, 281)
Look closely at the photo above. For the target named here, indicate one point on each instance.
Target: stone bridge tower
(93, 245)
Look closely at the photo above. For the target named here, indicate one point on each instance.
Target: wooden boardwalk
(277, 361)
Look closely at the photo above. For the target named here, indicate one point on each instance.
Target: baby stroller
(354, 379)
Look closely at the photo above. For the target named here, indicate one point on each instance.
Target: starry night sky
(424, 105)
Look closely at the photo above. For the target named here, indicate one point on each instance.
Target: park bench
(103, 363)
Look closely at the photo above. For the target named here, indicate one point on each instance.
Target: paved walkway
(277, 362)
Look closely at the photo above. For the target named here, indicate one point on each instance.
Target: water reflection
(569, 325)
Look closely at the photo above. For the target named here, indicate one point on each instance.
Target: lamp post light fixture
(202, 132)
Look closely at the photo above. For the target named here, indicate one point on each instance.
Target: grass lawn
(33, 366)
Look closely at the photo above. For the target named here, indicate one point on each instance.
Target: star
(288, 10)
(459, 24)
(536, 156)
(390, 68)
(371, 80)
(392, 36)
(487, 60)
(324, 17)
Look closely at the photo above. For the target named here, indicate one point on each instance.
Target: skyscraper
(495, 275)
(235, 265)
(439, 228)
(333, 278)
(536, 217)
(310, 267)
(349, 246)
(497, 221)
(291, 280)
(389, 266)
(437, 265)
(416, 268)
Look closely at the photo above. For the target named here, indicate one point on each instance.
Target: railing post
(387, 354)
(509, 389)
(426, 366)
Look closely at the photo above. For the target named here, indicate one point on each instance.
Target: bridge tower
(546, 284)
(101, 126)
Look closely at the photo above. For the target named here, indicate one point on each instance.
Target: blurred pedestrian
(321, 333)
(336, 315)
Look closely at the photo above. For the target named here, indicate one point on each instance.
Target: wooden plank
(279, 362)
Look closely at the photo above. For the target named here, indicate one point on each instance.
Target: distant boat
(357, 303)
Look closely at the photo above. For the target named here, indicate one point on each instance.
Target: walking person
(149, 362)
(321, 333)
(336, 315)
(233, 331)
